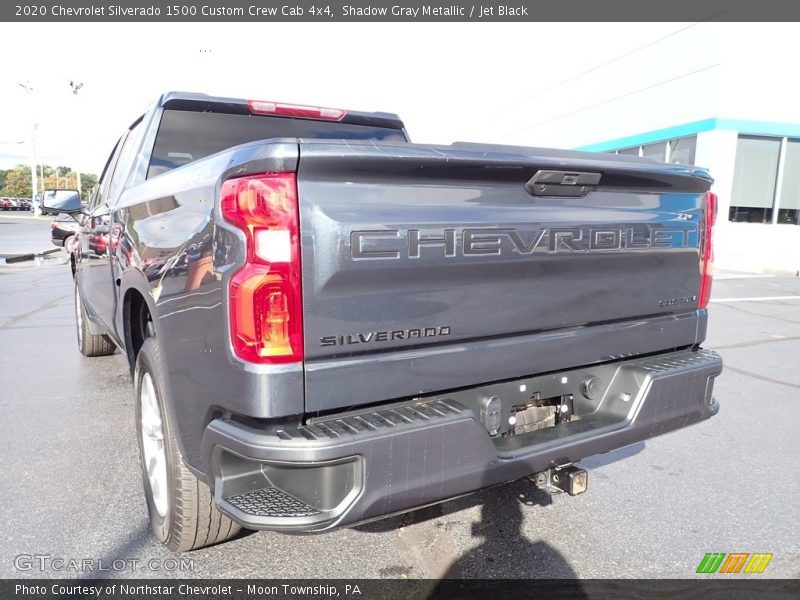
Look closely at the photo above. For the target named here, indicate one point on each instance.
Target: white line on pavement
(721, 277)
(28, 217)
(756, 299)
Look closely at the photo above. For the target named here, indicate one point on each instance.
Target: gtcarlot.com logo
(48, 562)
(735, 562)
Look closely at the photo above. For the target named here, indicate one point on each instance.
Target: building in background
(717, 96)
(756, 167)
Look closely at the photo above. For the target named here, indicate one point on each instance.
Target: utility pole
(75, 87)
(34, 179)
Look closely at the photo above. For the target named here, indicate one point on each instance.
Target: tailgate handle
(561, 183)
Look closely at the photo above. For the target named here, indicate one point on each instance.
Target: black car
(63, 228)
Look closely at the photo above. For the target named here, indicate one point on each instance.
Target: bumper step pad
(271, 502)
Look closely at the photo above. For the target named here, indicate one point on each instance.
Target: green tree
(88, 181)
(18, 182)
(58, 178)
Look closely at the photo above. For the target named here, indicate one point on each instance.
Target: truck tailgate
(428, 268)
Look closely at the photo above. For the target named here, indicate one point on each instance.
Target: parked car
(11, 204)
(24, 203)
(327, 324)
(5, 203)
(62, 230)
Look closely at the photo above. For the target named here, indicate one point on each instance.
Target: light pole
(75, 87)
(34, 179)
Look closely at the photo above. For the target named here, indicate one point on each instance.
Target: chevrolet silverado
(327, 324)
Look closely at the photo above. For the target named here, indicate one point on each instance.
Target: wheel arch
(138, 303)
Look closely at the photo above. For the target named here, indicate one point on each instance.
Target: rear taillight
(282, 109)
(264, 294)
(707, 250)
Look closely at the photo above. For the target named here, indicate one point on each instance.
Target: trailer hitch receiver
(569, 478)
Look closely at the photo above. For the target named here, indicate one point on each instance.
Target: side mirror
(62, 201)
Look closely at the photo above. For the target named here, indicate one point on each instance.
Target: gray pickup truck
(327, 324)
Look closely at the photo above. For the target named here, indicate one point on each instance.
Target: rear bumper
(352, 468)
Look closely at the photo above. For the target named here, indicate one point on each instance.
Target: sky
(486, 82)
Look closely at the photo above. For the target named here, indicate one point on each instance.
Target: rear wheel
(182, 512)
(89, 344)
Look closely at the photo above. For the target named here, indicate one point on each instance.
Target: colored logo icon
(735, 562)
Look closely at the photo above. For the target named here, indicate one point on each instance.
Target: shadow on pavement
(505, 550)
(137, 540)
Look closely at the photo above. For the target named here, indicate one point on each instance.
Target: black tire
(89, 344)
(192, 519)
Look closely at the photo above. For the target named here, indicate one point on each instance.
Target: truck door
(91, 256)
(112, 229)
(98, 240)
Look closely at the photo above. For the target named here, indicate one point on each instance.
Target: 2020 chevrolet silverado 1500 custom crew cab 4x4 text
(327, 324)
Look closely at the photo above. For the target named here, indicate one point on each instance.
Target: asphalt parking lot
(71, 486)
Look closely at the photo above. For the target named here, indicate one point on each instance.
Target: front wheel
(182, 512)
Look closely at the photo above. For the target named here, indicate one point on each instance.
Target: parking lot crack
(758, 314)
(47, 305)
(757, 343)
(746, 373)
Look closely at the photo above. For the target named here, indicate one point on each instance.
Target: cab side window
(101, 189)
(122, 167)
(113, 176)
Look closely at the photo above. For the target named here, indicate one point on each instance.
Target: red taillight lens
(267, 107)
(707, 250)
(265, 294)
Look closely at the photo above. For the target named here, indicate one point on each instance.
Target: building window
(789, 198)
(681, 151)
(754, 179)
(629, 151)
(655, 151)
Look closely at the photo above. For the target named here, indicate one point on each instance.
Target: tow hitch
(569, 478)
